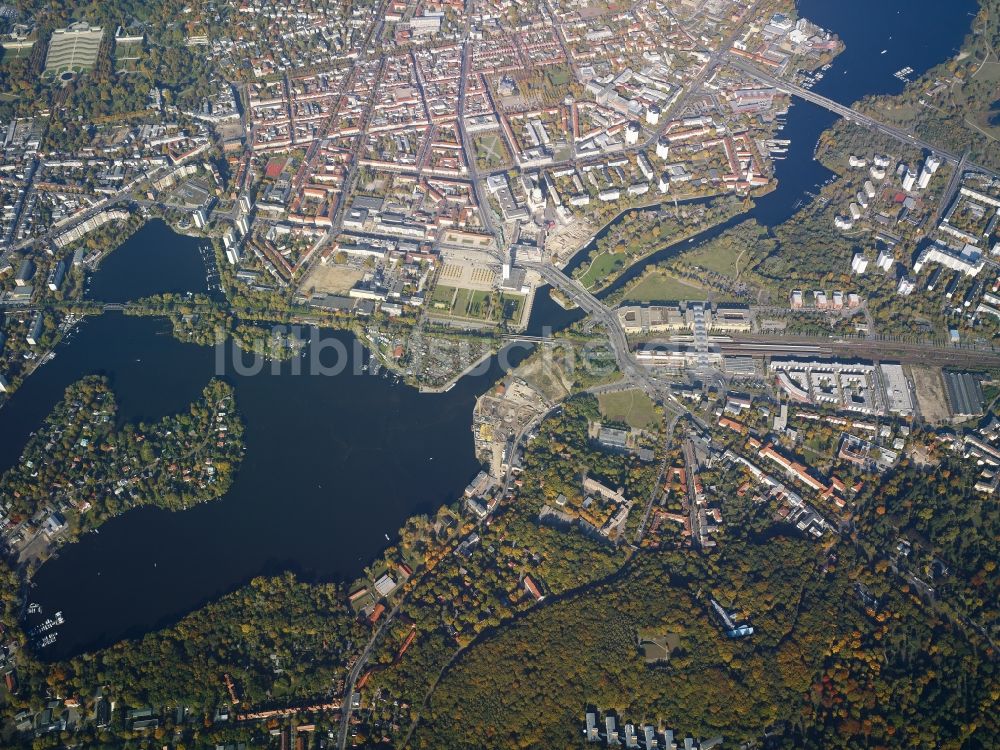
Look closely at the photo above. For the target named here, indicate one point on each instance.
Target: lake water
(547, 315)
(335, 463)
(154, 260)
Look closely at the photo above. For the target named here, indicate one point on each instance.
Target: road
(715, 60)
(632, 371)
(29, 188)
(109, 202)
(352, 677)
(668, 436)
(467, 146)
(690, 473)
(635, 373)
(953, 185)
(604, 315)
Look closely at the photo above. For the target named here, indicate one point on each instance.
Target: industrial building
(965, 394)
(897, 389)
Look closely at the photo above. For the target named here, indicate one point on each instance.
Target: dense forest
(819, 670)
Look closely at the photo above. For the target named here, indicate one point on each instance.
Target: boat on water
(48, 625)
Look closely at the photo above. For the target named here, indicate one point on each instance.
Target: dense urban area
(748, 495)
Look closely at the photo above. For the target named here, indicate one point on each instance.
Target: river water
(335, 463)
(913, 33)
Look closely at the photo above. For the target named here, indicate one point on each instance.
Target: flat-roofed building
(965, 394)
(897, 389)
(651, 318)
(35, 330)
(385, 585)
(731, 318)
(611, 437)
(24, 272)
(969, 260)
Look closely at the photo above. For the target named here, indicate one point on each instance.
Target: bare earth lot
(930, 393)
(332, 279)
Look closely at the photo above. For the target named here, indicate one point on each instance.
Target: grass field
(478, 304)
(441, 297)
(473, 304)
(601, 268)
(634, 408)
(7, 55)
(558, 76)
(662, 287)
(716, 256)
(490, 151)
(513, 307)
(462, 302)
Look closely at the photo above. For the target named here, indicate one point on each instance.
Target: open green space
(634, 408)
(490, 151)
(442, 295)
(662, 287)
(462, 302)
(558, 75)
(14, 53)
(479, 304)
(723, 258)
(602, 267)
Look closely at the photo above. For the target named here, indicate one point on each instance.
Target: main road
(346, 710)
(604, 315)
(467, 145)
(632, 370)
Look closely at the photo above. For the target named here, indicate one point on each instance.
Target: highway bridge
(854, 116)
(953, 185)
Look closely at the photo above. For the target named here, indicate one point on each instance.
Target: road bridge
(953, 184)
(854, 116)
